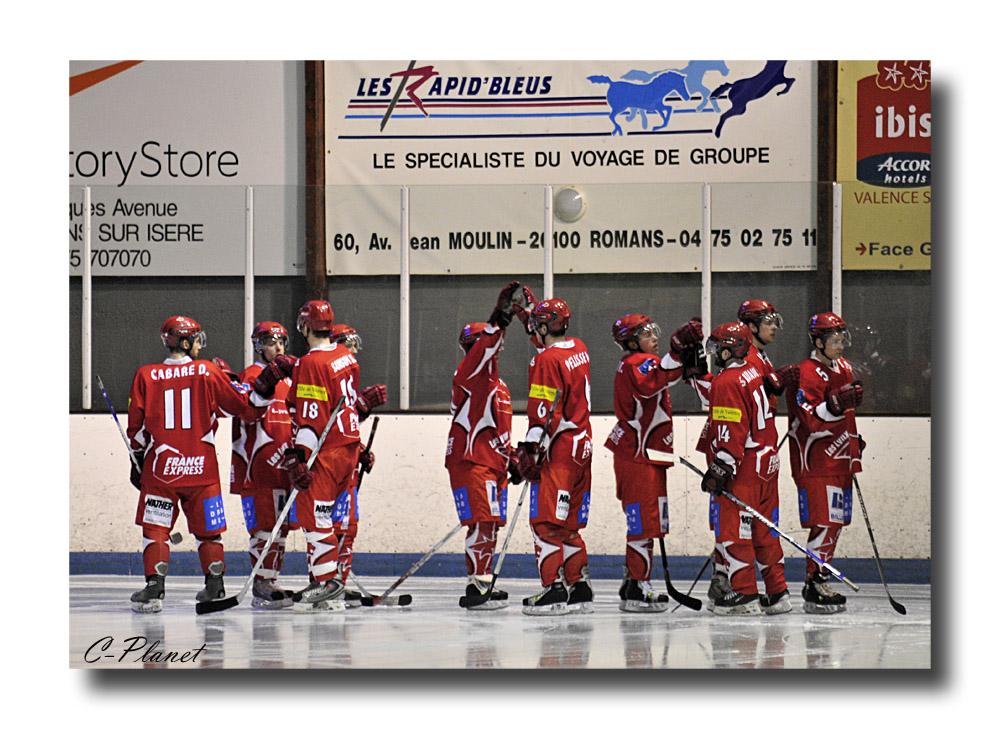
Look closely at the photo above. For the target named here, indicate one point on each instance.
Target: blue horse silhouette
(623, 96)
(694, 79)
(745, 90)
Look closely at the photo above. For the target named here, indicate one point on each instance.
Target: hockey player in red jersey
(645, 421)
(172, 417)
(256, 473)
(555, 457)
(325, 375)
(478, 447)
(347, 528)
(741, 445)
(764, 322)
(826, 450)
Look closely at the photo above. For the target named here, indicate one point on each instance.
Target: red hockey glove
(776, 382)
(504, 309)
(226, 369)
(135, 473)
(294, 461)
(370, 398)
(280, 368)
(718, 478)
(527, 457)
(686, 337)
(366, 460)
(513, 470)
(524, 301)
(845, 398)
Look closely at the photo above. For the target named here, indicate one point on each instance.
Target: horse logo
(651, 96)
(694, 79)
(745, 90)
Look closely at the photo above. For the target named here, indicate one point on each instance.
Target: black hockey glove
(513, 470)
(694, 363)
(528, 460)
(504, 310)
(135, 474)
(294, 461)
(718, 478)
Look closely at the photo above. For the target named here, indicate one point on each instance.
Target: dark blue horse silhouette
(623, 96)
(745, 90)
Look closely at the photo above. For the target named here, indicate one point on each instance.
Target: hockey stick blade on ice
(704, 566)
(215, 606)
(897, 606)
(687, 601)
(404, 600)
(484, 598)
(771, 525)
(176, 537)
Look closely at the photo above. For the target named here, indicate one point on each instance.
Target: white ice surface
(435, 633)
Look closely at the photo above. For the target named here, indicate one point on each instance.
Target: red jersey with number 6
(740, 426)
(823, 444)
(173, 414)
(563, 366)
(258, 444)
(319, 379)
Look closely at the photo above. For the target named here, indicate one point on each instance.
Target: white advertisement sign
(168, 148)
(477, 141)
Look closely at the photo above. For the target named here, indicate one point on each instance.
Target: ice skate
(718, 588)
(821, 599)
(474, 592)
(776, 604)
(736, 603)
(268, 596)
(640, 597)
(581, 595)
(352, 598)
(317, 597)
(150, 598)
(213, 590)
(550, 601)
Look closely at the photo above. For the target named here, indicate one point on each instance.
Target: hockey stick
(770, 524)
(704, 566)
(381, 599)
(898, 607)
(176, 537)
(689, 602)
(214, 606)
(485, 597)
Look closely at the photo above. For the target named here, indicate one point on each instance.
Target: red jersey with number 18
(319, 379)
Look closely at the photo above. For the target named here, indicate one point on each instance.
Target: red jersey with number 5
(477, 434)
(173, 414)
(563, 366)
(823, 444)
(740, 428)
(319, 379)
(258, 444)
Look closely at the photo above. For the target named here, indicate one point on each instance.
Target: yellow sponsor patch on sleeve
(542, 392)
(310, 392)
(728, 415)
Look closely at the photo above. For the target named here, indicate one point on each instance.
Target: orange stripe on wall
(83, 81)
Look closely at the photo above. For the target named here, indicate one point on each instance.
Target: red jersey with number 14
(173, 414)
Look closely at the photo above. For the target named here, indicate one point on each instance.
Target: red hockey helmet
(823, 325)
(316, 314)
(754, 311)
(266, 332)
(733, 335)
(631, 327)
(470, 333)
(178, 328)
(347, 335)
(554, 313)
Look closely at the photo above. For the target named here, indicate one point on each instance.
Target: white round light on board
(569, 204)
